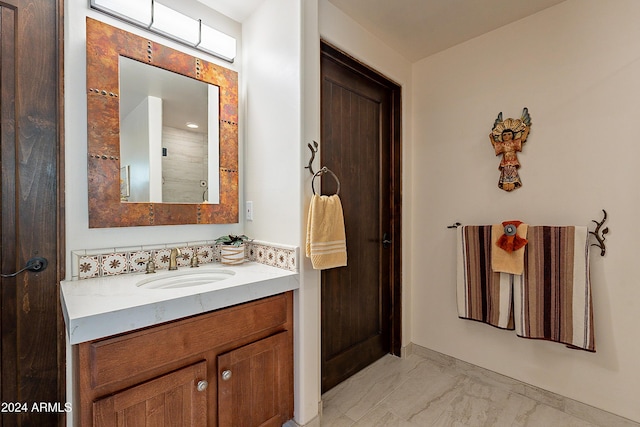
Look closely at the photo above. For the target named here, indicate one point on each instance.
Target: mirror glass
(116, 195)
(169, 136)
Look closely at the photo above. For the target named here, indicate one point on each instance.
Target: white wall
(135, 152)
(276, 131)
(308, 309)
(271, 91)
(78, 234)
(576, 66)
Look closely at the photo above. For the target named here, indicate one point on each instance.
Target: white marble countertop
(104, 306)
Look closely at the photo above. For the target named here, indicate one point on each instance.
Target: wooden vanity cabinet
(230, 367)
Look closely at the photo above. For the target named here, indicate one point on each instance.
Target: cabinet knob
(226, 375)
(202, 385)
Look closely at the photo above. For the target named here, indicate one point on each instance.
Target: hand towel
(505, 261)
(552, 299)
(482, 294)
(326, 241)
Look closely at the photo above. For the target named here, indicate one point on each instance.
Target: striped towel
(482, 294)
(551, 300)
(326, 242)
(553, 297)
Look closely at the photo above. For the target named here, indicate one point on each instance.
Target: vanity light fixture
(175, 25)
(217, 43)
(135, 12)
(170, 23)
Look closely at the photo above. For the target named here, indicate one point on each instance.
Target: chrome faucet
(173, 262)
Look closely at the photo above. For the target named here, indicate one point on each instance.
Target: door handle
(386, 241)
(35, 265)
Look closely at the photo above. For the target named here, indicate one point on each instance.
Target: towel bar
(597, 233)
(322, 172)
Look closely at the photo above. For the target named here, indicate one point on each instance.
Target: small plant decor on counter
(232, 240)
(232, 248)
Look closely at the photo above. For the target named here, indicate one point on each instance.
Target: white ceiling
(416, 28)
(419, 28)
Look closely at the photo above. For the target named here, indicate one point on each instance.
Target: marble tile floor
(429, 389)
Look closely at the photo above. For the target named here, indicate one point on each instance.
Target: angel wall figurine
(507, 137)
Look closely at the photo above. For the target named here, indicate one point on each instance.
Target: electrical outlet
(249, 211)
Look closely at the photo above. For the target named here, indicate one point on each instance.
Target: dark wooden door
(255, 384)
(32, 343)
(174, 399)
(360, 144)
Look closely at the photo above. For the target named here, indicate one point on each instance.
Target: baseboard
(315, 422)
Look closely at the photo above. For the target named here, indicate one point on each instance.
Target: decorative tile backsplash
(92, 263)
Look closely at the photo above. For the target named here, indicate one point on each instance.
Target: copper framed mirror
(105, 47)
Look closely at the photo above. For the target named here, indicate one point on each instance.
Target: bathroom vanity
(208, 346)
(212, 354)
(230, 367)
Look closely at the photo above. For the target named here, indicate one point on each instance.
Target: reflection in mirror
(168, 139)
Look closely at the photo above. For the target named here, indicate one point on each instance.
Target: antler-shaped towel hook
(313, 156)
(600, 235)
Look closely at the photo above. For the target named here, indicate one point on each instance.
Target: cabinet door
(174, 399)
(255, 384)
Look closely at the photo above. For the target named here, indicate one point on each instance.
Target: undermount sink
(185, 279)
